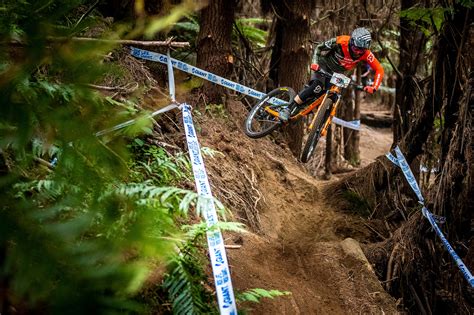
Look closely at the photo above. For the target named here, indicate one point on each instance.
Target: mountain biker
(340, 54)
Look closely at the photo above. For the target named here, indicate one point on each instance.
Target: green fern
(72, 243)
(41, 149)
(255, 295)
(193, 232)
(256, 36)
(172, 197)
(185, 282)
(184, 287)
(427, 19)
(190, 26)
(156, 164)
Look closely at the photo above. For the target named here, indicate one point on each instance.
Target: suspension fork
(331, 115)
(311, 125)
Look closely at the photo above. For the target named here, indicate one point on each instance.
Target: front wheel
(315, 134)
(260, 122)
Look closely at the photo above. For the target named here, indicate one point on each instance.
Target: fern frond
(174, 198)
(199, 229)
(187, 26)
(202, 203)
(44, 188)
(184, 287)
(229, 226)
(254, 34)
(255, 295)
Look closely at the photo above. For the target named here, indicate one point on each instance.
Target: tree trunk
(294, 56)
(430, 280)
(352, 112)
(376, 182)
(453, 200)
(214, 51)
(355, 139)
(412, 43)
(348, 116)
(329, 154)
(277, 28)
(452, 197)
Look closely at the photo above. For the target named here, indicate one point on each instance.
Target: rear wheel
(315, 134)
(259, 121)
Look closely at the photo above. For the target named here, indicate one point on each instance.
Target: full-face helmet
(360, 40)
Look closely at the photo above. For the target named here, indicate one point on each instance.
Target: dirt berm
(296, 243)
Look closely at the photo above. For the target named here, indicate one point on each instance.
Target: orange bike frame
(316, 103)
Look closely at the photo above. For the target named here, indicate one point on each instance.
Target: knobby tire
(257, 112)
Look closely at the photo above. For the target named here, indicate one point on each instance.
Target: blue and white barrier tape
(220, 267)
(403, 164)
(157, 57)
(355, 124)
(392, 159)
(464, 270)
(387, 89)
(171, 78)
(153, 56)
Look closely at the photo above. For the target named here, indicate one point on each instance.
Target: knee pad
(314, 89)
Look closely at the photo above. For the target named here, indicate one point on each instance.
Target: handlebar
(329, 75)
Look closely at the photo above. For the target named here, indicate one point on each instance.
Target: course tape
(355, 124)
(171, 78)
(387, 89)
(220, 266)
(153, 56)
(403, 164)
(392, 159)
(132, 121)
(157, 57)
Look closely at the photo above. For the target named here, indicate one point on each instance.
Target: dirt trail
(297, 247)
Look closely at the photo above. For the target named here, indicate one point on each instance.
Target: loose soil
(298, 242)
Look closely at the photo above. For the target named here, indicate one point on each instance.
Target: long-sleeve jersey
(334, 56)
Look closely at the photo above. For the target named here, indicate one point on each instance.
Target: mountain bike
(264, 116)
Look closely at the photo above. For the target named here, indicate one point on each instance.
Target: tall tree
(452, 195)
(448, 97)
(214, 51)
(412, 43)
(291, 54)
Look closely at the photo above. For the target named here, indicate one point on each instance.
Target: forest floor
(299, 242)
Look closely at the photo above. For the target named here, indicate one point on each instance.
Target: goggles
(358, 50)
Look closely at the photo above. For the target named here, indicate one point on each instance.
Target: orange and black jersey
(334, 55)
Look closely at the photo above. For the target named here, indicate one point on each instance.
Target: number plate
(340, 80)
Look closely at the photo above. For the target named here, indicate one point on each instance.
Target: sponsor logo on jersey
(371, 57)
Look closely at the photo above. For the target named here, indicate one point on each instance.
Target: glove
(314, 67)
(369, 89)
